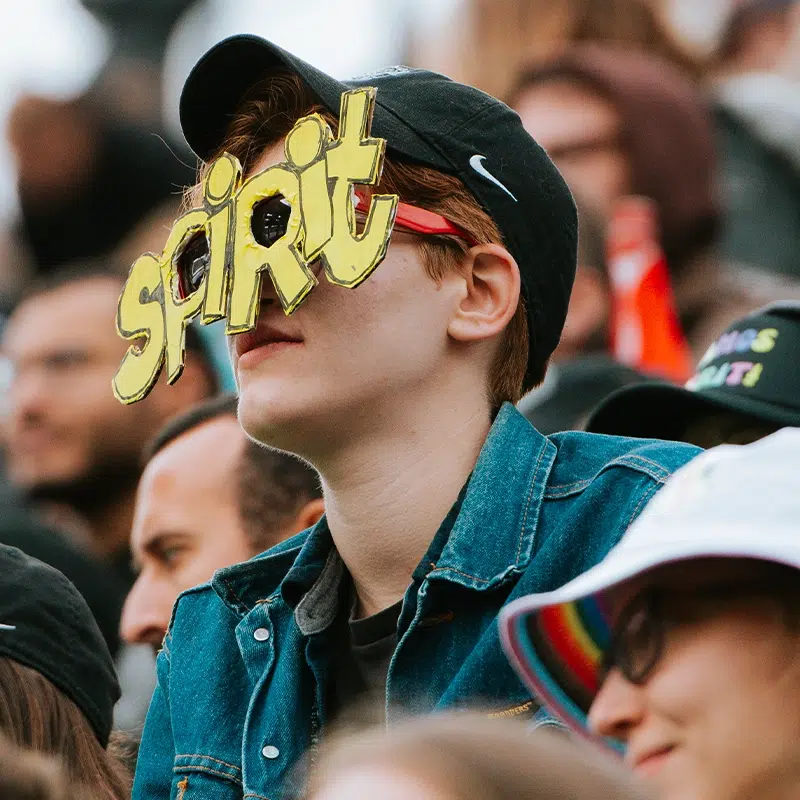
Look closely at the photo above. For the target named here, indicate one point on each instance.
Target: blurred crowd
(676, 127)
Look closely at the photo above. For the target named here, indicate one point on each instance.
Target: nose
(618, 707)
(146, 613)
(27, 395)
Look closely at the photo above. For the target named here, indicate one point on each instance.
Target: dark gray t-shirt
(361, 662)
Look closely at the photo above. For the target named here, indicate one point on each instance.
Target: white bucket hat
(730, 502)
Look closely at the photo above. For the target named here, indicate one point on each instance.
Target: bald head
(208, 498)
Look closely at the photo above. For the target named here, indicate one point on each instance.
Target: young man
(442, 502)
(208, 497)
(683, 645)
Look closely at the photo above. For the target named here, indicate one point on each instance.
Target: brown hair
(268, 113)
(468, 755)
(35, 715)
(507, 35)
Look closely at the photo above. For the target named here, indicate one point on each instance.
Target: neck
(388, 492)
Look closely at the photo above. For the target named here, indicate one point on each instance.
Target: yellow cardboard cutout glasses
(316, 180)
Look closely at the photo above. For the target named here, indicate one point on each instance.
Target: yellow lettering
(220, 187)
(765, 340)
(140, 315)
(178, 312)
(292, 279)
(751, 379)
(353, 158)
(305, 148)
(316, 180)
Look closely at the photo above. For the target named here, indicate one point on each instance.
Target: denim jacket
(243, 672)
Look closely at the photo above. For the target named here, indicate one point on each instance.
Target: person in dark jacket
(102, 590)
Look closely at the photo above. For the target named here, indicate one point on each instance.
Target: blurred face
(718, 715)
(53, 143)
(64, 351)
(582, 133)
(373, 781)
(186, 523)
(307, 381)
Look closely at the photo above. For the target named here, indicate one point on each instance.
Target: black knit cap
(46, 625)
(432, 120)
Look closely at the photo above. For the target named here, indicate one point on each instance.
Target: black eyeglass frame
(652, 602)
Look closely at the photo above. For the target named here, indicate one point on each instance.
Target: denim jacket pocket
(198, 776)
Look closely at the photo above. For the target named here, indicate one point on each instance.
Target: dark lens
(608, 661)
(270, 220)
(193, 263)
(638, 639)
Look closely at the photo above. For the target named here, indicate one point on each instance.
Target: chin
(274, 414)
(32, 477)
(681, 782)
(306, 418)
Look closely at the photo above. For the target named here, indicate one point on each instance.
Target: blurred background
(82, 81)
(676, 124)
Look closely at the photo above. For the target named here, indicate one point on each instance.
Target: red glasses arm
(420, 220)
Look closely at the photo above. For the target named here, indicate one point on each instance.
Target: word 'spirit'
(316, 180)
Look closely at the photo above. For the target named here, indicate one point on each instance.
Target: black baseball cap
(46, 625)
(752, 369)
(432, 120)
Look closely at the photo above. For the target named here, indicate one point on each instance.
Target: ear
(490, 294)
(308, 515)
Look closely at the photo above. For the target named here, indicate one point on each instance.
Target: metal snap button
(261, 634)
(270, 751)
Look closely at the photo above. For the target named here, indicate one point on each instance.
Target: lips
(649, 760)
(262, 336)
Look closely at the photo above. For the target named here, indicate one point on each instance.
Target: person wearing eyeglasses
(681, 649)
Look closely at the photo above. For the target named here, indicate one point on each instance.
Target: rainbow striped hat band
(557, 650)
(729, 502)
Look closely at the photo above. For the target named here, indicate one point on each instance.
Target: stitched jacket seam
(528, 504)
(208, 758)
(559, 491)
(647, 495)
(178, 770)
(458, 572)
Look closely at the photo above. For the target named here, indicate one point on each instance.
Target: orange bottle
(645, 331)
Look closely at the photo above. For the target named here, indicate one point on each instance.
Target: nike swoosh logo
(476, 162)
(4, 627)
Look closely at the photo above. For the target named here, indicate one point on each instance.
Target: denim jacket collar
(290, 568)
(491, 538)
(494, 533)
